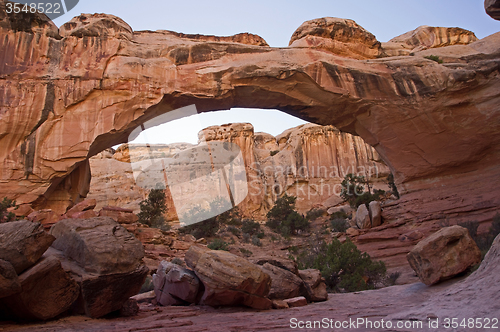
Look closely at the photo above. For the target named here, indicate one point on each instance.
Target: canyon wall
(69, 93)
(308, 162)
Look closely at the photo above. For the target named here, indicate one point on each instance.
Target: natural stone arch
(81, 89)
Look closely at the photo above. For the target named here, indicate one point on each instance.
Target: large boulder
(363, 217)
(229, 279)
(444, 254)
(284, 263)
(9, 282)
(47, 291)
(375, 213)
(103, 258)
(175, 285)
(314, 285)
(22, 243)
(284, 284)
(340, 36)
(99, 245)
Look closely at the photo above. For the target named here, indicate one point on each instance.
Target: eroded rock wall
(66, 95)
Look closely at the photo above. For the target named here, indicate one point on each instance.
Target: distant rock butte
(68, 95)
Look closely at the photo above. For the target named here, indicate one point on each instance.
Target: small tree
(283, 218)
(392, 185)
(4, 206)
(352, 187)
(153, 208)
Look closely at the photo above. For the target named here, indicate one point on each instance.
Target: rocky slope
(68, 94)
(308, 162)
(473, 297)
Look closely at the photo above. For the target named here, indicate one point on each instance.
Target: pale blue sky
(275, 21)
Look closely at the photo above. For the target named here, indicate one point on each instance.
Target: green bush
(344, 267)
(218, 244)
(153, 208)
(367, 197)
(5, 204)
(246, 252)
(392, 185)
(314, 214)
(246, 237)
(249, 226)
(434, 58)
(234, 230)
(283, 218)
(339, 215)
(338, 225)
(256, 241)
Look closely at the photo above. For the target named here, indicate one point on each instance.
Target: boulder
(351, 231)
(280, 304)
(314, 285)
(103, 258)
(492, 8)
(363, 217)
(9, 282)
(84, 215)
(284, 263)
(130, 308)
(150, 235)
(340, 36)
(375, 213)
(444, 254)
(46, 217)
(175, 285)
(86, 205)
(346, 208)
(47, 291)
(299, 301)
(99, 245)
(22, 243)
(284, 284)
(229, 279)
(123, 216)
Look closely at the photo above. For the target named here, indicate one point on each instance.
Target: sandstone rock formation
(375, 213)
(314, 284)
(444, 254)
(435, 125)
(229, 279)
(175, 285)
(363, 217)
(284, 284)
(338, 36)
(22, 243)
(492, 8)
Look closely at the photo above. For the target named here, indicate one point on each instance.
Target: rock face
(47, 291)
(444, 254)
(308, 162)
(103, 80)
(22, 243)
(426, 37)
(338, 36)
(229, 279)
(104, 259)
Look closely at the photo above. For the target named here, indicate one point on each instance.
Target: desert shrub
(250, 227)
(338, 225)
(218, 244)
(314, 214)
(274, 152)
(152, 210)
(339, 215)
(283, 218)
(391, 279)
(352, 187)
(246, 252)
(434, 58)
(256, 241)
(344, 267)
(147, 286)
(483, 241)
(234, 230)
(209, 227)
(246, 237)
(5, 204)
(392, 185)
